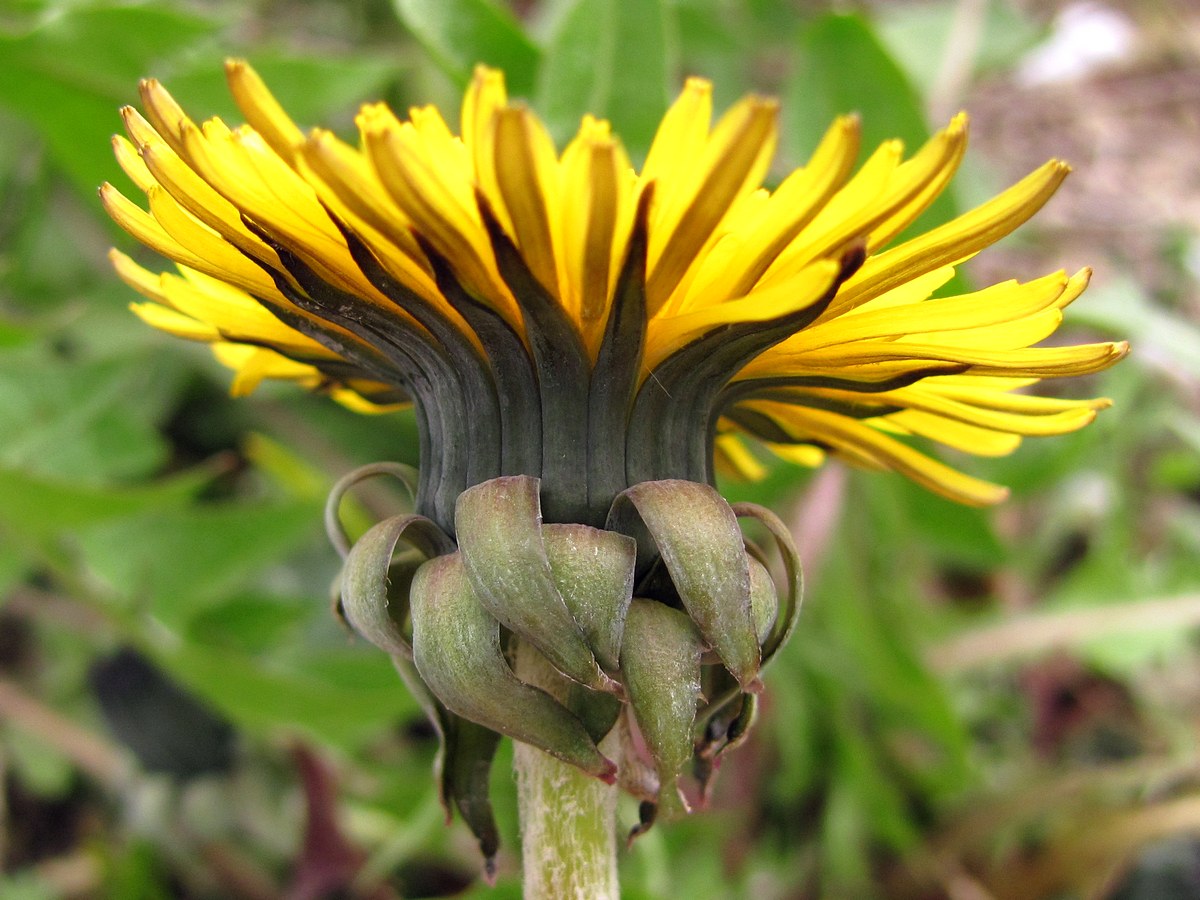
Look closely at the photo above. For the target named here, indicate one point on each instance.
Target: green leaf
(286, 467)
(1119, 306)
(38, 506)
(261, 694)
(50, 261)
(249, 623)
(359, 439)
(13, 335)
(184, 561)
(76, 420)
(510, 890)
(27, 884)
(880, 799)
(42, 768)
(463, 763)
(842, 68)
(459, 34)
(13, 568)
(613, 60)
(1137, 651)
(135, 872)
(69, 75)
(844, 840)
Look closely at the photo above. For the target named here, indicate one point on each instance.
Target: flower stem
(568, 818)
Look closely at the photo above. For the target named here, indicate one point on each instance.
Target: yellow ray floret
(420, 261)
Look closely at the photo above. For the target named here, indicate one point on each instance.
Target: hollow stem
(568, 818)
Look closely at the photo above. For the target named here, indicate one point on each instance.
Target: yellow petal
(241, 166)
(235, 313)
(216, 256)
(176, 323)
(1047, 423)
(806, 455)
(441, 211)
(845, 218)
(950, 145)
(485, 97)
(346, 184)
(667, 334)
(958, 435)
(165, 116)
(142, 226)
(983, 310)
(139, 130)
(140, 279)
(683, 130)
(1038, 362)
(131, 163)
(198, 198)
(262, 110)
(733, 457)
(872, 375)
(1014, 335)
(595, 224)
(525, 171)
(252, 365)
(792, 207)
(965, 391)
(953, 242)
(734, 160)
(860, 439)
(356, 402)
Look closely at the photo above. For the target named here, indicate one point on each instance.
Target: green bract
(662, 622)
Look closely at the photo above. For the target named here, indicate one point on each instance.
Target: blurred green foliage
(140, 506)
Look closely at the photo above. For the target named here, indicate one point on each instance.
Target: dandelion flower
(582, 343)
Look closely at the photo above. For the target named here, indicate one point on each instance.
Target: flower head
(587, 318)
(582, 343)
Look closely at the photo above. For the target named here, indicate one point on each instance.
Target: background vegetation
(977, 705)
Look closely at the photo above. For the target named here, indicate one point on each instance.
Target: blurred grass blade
(1039, 633)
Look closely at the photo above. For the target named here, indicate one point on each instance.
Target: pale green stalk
(568, 818)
